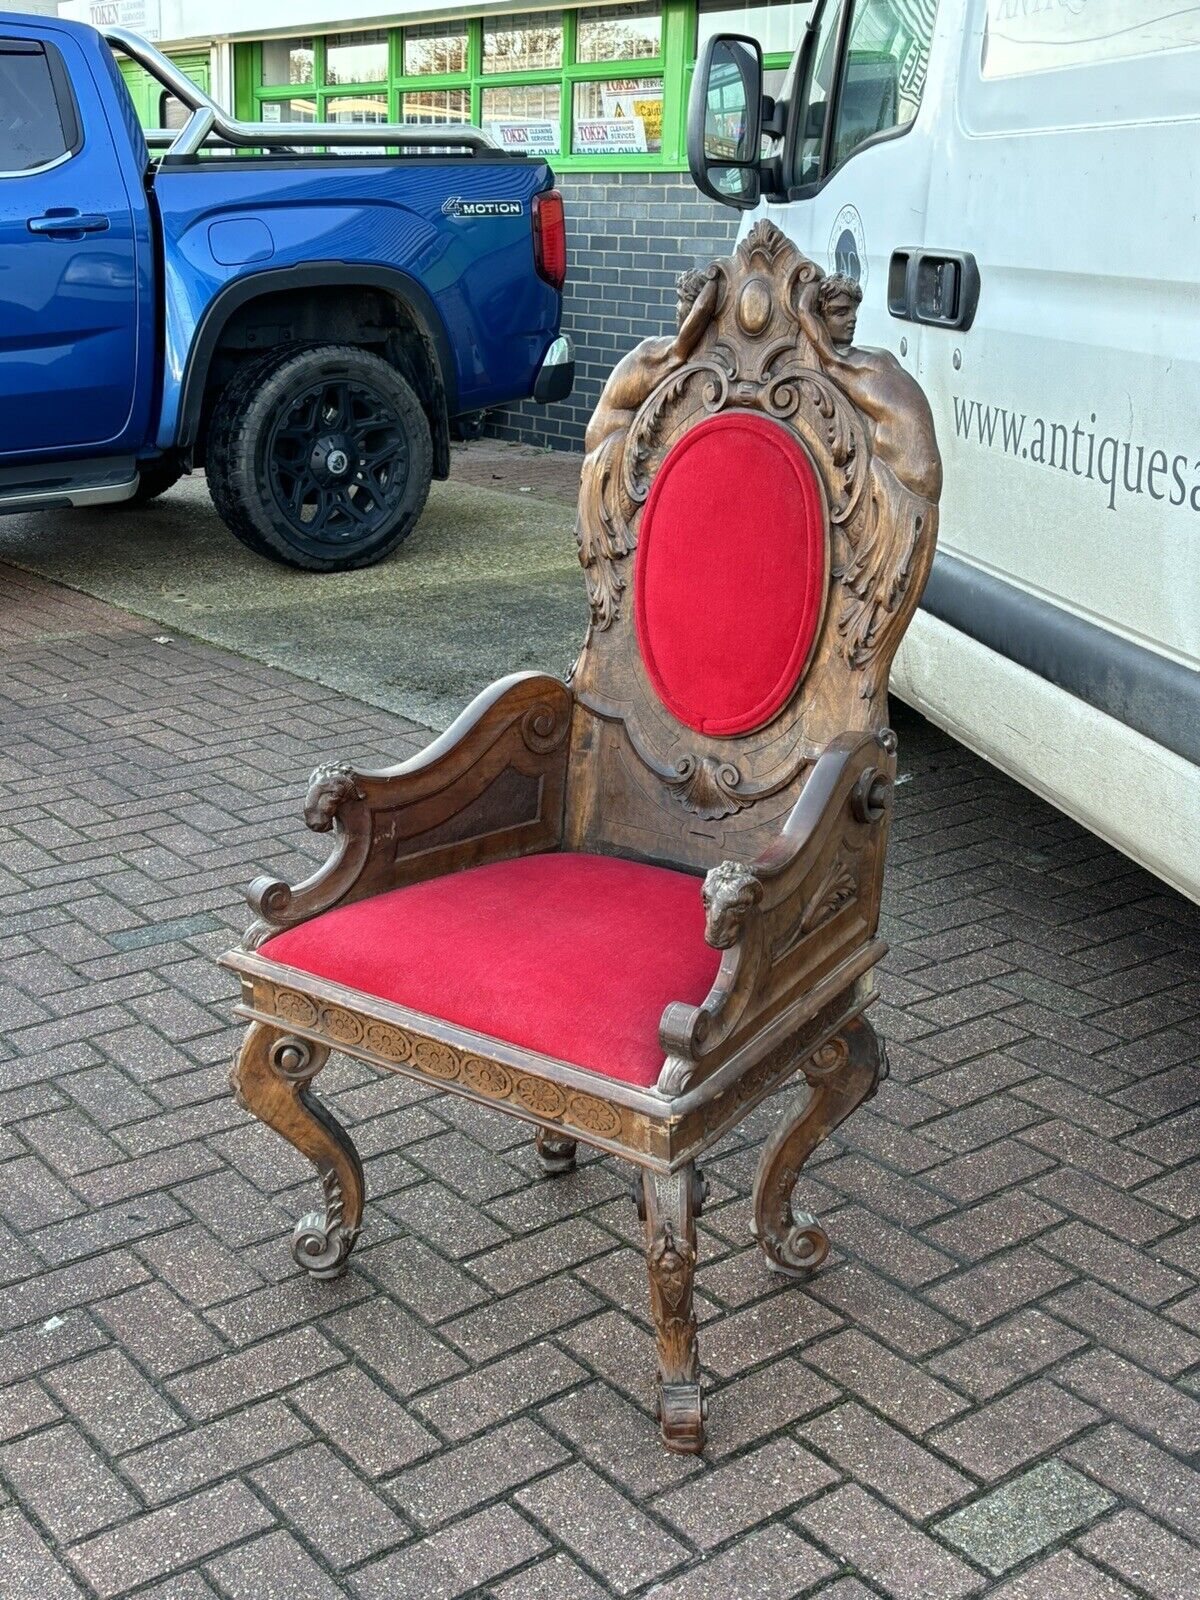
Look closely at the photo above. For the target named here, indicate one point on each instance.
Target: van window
(880, 78)
(883, 77)
(1025, 36)
(815, 94)
(31, 127)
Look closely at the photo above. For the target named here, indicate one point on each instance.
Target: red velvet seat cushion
(731, 573)
(574, 956)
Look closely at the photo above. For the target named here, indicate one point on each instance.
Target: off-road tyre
(319, 456)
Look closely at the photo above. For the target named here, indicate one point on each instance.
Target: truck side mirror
(725, 121)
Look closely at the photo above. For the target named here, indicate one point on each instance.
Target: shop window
(286, 61)
(434, 48)
(293, 110)
(529, 43)
(431, 107)
(524, 117)
(777, 27)
(362, 110)
(618, 117)
(619, 33)
(356, 57)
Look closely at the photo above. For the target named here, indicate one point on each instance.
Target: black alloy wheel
(320, 456)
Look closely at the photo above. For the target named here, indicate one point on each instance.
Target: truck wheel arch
(235, 297)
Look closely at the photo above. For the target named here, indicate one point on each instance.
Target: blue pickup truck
(307, 311)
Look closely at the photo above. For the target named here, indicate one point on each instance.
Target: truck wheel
(319, 456)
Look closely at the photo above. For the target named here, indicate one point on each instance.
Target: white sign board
(140, 16)
(538, 138)
(610, 136)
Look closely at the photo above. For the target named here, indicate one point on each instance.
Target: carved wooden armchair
(519, 914)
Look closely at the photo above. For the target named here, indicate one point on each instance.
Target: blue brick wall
(629, 236)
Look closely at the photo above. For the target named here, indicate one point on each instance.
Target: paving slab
(991, 1389)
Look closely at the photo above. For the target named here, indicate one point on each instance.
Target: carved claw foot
(271, 1078)
(841, 1075)
(669, 1208)
(555, 1152)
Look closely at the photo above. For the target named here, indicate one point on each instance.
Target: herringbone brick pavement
(990, 1390)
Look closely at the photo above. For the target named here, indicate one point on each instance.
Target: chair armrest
(488, 788)
(800, 917)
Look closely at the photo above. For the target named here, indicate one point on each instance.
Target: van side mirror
(725, 111)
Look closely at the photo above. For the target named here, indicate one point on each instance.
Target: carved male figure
(636, 374)
(892, 400)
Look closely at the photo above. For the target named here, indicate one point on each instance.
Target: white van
(1016, 186)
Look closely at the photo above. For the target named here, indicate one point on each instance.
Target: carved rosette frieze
(444, 1063)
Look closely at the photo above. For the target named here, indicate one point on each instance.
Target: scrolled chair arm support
(521, 721)
(759, 913)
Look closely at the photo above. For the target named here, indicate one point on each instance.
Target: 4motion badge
(456, 206)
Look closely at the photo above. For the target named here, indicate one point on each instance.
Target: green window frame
(674, 65)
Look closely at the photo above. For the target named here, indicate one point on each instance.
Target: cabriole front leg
(670, 1216)
(841, 1075)
(270, 1079)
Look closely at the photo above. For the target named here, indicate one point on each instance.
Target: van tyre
(320, 457)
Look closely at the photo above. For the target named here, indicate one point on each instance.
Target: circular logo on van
(848, 246)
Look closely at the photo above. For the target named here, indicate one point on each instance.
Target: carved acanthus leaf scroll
(837, 887)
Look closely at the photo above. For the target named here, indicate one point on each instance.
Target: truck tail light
(550, 238)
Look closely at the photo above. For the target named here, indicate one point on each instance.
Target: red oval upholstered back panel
(731, 573)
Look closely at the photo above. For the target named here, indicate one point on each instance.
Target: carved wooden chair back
(756, 519)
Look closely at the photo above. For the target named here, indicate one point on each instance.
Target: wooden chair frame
(792, 821)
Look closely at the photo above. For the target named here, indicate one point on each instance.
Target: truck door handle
(940, 287)
(66, 224)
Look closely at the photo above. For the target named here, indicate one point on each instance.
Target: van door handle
(68, 224)
(938, 287)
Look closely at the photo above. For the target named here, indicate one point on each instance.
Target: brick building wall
(629, 236)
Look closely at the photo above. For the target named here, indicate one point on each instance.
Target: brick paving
(990, 1390)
